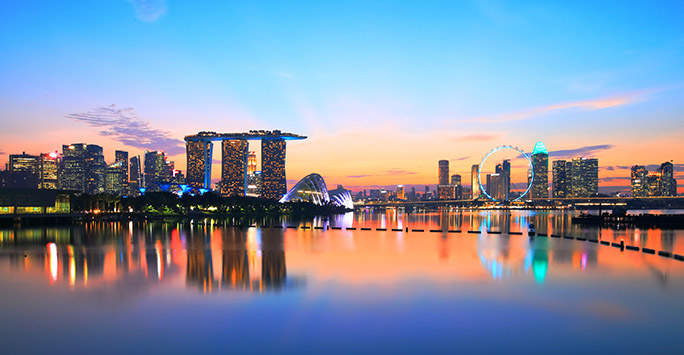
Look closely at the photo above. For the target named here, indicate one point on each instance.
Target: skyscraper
(444, 190)
(273, 183)
(83, 168)
(561, 179)
(638, 181)
(668, 184)
(95, 169)
(540, 166)
(25, 169)
(135, 177)
(400, 192)
(233, 167)
(502, 181)
(199, 163)
(474, 184)
(48, 172)
(122, 156)
(443, 172)
(155, 169)
(458, 188)
(584, 177)
(115, 175)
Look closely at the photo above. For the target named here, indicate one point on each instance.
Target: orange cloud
(587, 105)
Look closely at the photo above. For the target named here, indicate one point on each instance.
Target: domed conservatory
(312, 188)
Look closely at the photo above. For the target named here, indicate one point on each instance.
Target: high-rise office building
(561, 179)
(638, 181)
(135, 175)
(115, 178)
(584, 177)
(668, 184)
(400, 192)
(49, 170)
(199, 155)
(83, 168)
(458, 188)
(122, 156)
(653, 184)
(444, 190)
(474, 184)
(156, 169)
(540, 167)
(502, 181)
(273, 183)
(233, 167)
(25, 170)
(497, 186)
(443, 172)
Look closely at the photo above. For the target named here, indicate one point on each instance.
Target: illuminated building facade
(540, 165)
(638, 181)
(561, 179)
(400, 192)
(474, 184)
(273, 183)
(49, 170)
(122, 156)
(497, 186)
(251, 163)
(312, 188)
(444, 190)
(233, 167)
(584, 177)
(25, 170)
(156, 169)
(668, 184)
(458, 187)
(199, 163)
(83, 168)
(115, 178)
(135, 175)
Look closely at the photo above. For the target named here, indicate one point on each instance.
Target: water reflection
(211, 257)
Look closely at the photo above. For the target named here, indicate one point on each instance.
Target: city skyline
(143, 80)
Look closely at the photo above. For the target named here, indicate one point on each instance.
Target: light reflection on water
(314, 287)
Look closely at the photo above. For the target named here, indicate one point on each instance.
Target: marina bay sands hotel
(235, 149)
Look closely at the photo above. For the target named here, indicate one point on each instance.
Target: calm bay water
(184, 287)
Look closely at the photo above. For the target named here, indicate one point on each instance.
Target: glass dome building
(312, 188)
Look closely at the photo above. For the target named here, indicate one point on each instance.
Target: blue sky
(383, 89)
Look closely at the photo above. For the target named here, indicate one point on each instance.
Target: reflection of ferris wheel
(529, 162)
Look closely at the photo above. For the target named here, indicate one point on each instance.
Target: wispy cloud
(123, 125)
(480, 137)
(149, 10)
(357, 176)
(579, 152)
(398, 171)
(586, 105)
(461, 158)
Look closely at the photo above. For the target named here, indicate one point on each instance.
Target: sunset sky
(383, 89)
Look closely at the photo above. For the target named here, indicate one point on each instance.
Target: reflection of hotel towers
(236, 262)
(200, 270)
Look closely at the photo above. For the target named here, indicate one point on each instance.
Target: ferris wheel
(506, 147)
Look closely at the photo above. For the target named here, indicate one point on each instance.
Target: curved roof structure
(309, 189)
(341, 197)
(312, 188)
